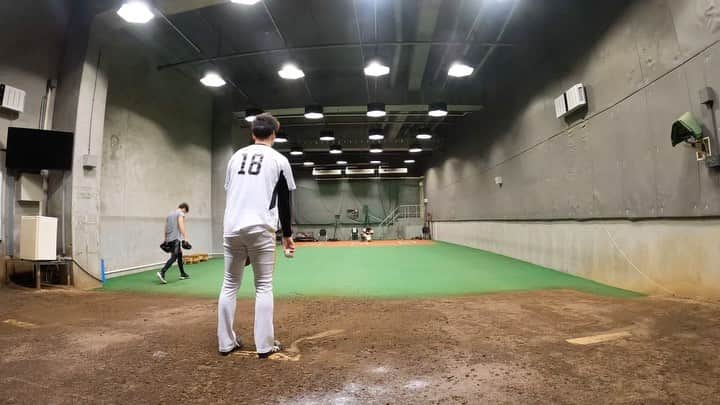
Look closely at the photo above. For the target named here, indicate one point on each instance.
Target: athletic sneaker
(275, 349)
(161, 277)
(238, 346)
(184, 276)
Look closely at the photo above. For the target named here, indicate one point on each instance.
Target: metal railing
(401, 212)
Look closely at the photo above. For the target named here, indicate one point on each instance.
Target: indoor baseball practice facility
(359, 202)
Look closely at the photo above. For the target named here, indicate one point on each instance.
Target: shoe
(238, 346)
(161, 277)
(275, 349)
(184, 276)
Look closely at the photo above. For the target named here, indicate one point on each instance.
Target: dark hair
(184, 206)
(264, 126)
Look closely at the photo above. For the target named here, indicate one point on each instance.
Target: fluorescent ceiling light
(437, 110)
(394, 170)
(375, 162)
(245, 2)
(212, 79)
(336, 150)
(424, 136)
(291, 72)
(459, 69)
(251, 113)
(415, 148)
(376, 135)
(409, 161)
(376, 110)
(296, 151)
(376, 148)
(281, 138)
(327, 136)
(376, 69)
(135, 12)
(327, 172)
(314, 112)
(342, 162)
(359, 171)
(308, 164)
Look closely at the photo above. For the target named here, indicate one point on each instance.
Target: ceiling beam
(362, 51)
(500, 35)
(237, 55)
(180, 6)
(387, 149)
(398, 109)
(397, 16)
(285, 44)
(427, 20)
(197, 49)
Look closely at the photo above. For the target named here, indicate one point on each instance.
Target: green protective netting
(317, 202)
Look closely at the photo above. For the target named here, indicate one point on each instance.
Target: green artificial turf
(388, 272)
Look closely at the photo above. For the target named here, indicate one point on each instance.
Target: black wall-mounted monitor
(36, 149)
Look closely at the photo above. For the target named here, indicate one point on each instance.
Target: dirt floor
(77, 347)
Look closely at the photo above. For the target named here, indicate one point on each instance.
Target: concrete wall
(657, 257)
(228, 136)
(156, 153)
(34, 37)
(643, 70)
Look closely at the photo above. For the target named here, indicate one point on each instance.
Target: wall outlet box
(706, 95)
(11, 98)
(89, 161)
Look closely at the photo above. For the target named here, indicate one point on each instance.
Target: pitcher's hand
(288, 246)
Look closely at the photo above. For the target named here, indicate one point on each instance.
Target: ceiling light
(415, 148)
(135, 12)
(296, 151)
(424, 135)
(336, 149)
(281, 137)
(212, 79)
(375, 162)
(251, 113)
(342, 162)
(376, 148)
(327, 136)
(376, 110)
(308, 163)
(291, 72)
(459, 69)
(245, 2)
(437, 109)
(409, 161)
(376, 134)
(375, 68)
(314, 112)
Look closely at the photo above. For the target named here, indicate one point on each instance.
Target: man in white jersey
(258, 183)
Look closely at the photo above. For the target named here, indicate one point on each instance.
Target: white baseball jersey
(253, 176)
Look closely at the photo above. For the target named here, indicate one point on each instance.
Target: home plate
(293, 352)
(19, 324)
(606, 337)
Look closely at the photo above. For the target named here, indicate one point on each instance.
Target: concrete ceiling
(332, 40)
